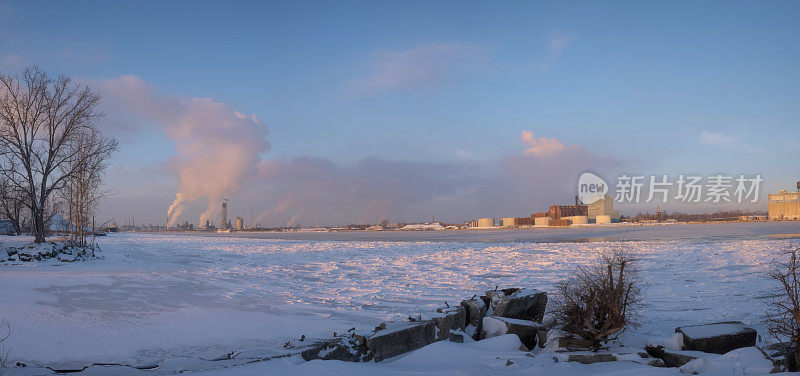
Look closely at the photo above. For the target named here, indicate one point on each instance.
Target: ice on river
(156, 296)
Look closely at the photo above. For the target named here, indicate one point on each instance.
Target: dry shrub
(598, 303)
(783, 320)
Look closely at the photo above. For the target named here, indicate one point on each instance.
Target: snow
(158, 298)
(493, 327)
(712, 330)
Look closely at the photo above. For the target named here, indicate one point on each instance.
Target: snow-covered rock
(526, 330)
(717, 338)
(400, 338)
(525, 304)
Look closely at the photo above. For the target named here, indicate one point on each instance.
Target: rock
(591, 358)
(656, 363)
(400, 338)
(24, 257)
(344, 349)
(526, 330)
(717, 338)
(670, 359)
(457, 337)
(522, 304)
(572, 343)
(450, 319)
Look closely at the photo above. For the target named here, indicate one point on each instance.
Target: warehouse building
(784, 205)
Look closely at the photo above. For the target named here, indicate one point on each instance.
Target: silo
(541, 221)
(579, 219)
(509, 222)
(239, 224)
(485, 222)
(603, 219)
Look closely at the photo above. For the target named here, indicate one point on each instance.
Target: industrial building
(485, 222)
(784, 205)
(562, 211)
(239, 224)
(603, 207)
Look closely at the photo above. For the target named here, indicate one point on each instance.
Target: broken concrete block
(400, 338)
(591, 358)
(475, 312)
(717, 338)
(525, 304)
(344, 349)
(526, 330)
(450, 319)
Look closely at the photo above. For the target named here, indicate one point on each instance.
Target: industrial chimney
(224, 223)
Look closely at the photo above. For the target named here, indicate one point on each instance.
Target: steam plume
(217, 148)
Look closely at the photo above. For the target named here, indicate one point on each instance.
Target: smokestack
(576, 200)
(224, 223)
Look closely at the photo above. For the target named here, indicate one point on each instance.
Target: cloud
(555, 47)
(424, 66)
(739, 141)
(718, 139)
(12, 62)
(541, 147)
(218, 149)
(310, 190)
(316, 191)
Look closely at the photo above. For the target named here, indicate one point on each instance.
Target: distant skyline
(317, 113)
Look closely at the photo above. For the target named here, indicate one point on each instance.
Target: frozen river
(617, 232)
(155, 296)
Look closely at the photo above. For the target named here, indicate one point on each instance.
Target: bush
(598, 303)
(783, 321)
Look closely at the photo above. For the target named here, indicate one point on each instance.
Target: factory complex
(600, 211)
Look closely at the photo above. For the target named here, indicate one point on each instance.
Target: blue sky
(670, 88)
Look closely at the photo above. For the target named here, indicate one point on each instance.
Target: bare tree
(598, 303)
(40, 119)
(783, 320)
(12, 204)
(82, 190)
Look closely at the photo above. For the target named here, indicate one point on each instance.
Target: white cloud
(718, 139)
(555, 47)
(12, 62)
(424, 66)
(738, 141)
(542, 146)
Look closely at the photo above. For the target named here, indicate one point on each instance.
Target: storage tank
(541, 221)
(486, 222)
(603, 219)
(579, 219)
(509, 222)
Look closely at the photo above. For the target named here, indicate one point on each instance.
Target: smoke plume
(217, 147)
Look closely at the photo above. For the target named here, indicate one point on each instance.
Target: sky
(312, 113)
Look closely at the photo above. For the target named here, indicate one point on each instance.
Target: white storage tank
(579, 219)
(541, 221)
(485, 222)
(603, 219)
(509, 222)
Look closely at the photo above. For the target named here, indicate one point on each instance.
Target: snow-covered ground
(163, 296)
